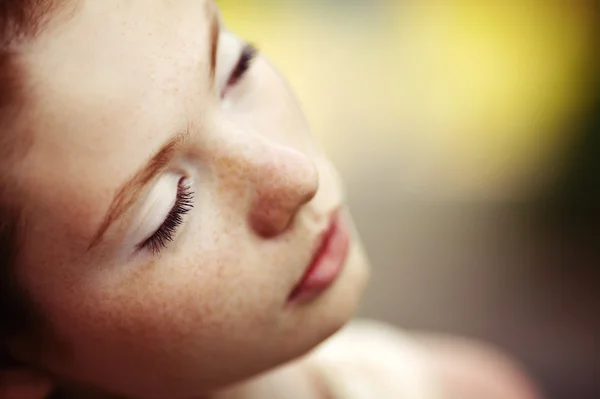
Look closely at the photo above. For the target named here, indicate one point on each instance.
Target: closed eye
(159, 240)
(244, 63)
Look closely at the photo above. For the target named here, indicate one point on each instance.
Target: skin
(197, 316)
(211, 309)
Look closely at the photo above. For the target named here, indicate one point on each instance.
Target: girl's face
(173, 201)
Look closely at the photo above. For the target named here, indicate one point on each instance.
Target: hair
(20, 22)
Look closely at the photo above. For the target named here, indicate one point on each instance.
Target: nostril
(310, 187)
(314, 188)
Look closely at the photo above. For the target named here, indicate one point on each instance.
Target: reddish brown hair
(20, 21)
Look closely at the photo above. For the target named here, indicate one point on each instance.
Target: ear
(24, 384)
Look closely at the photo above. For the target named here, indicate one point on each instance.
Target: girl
(168, 228)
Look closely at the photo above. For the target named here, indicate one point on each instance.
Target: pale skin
(113, 82)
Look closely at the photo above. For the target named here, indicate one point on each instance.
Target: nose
(283, 180)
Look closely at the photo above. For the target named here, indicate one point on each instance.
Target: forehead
(109, 86)
(119, 66)
(107, 42)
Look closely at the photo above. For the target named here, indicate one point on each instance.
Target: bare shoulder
(373, 360)
(369, 359)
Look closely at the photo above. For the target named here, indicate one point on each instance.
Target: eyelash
(165, 233)
(245, 62)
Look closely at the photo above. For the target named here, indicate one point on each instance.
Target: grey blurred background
(469, 138)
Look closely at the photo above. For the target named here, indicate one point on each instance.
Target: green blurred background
(469, 138)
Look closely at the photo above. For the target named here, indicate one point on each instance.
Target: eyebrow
(128, 193)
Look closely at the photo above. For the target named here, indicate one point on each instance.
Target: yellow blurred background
(470, 93)
(459, 126)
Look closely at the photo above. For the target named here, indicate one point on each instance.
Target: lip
(327, 262)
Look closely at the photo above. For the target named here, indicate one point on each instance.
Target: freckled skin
(211, 308)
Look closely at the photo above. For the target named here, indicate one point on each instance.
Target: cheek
(204, 297)
(156, 302)
(164, 318)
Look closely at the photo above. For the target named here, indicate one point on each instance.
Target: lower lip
(327, 263)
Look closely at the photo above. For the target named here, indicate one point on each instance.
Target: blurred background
(468, 133)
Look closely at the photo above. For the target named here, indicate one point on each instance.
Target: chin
(309, 324)
(334, 308)
(342, 301)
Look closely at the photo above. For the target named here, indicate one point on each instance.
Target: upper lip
(319, 245)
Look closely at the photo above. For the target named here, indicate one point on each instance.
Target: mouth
(327, 262)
